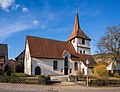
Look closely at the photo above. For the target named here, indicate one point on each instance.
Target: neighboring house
(3, 55)
(20, 57)
(114, 66)
(52, 57)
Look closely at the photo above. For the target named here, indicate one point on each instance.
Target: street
(7, 87)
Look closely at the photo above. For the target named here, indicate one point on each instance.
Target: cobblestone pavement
(7, 87)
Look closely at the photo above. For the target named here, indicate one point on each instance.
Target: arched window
(80, 52)
(37, 71)
(83, 52)
(55, 65)
(76, 65)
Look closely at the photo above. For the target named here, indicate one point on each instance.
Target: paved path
(7, 87)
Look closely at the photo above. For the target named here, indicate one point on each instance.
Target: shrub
(20, 68)
(116, 75)
(104, 83)
(42, 79)
(101, 72)
(97, 83)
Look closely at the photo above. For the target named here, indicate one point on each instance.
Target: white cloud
(6, 31)
(11, 26)
(24, 9)
(35, 22)
(17, 6)
(5, 4)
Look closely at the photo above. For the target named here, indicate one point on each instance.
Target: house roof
(83, 58)
(3, 49)
(77, 31)
(20, 56)
(48, 48)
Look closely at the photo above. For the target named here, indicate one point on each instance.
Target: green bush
(97, 83)
(42, 79)
(116, 75)
(104, 82)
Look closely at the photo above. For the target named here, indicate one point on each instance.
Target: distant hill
(103, 58)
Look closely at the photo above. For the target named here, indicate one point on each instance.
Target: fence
(24, 80)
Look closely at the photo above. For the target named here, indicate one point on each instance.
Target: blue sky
(54, 19)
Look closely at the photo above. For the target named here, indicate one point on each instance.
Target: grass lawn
(21, 74)
(25, 75)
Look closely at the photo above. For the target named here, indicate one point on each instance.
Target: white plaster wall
(83, 47)
(85, 69)
(46, 66)
(27, 60)
(87, 51)
(75, 44)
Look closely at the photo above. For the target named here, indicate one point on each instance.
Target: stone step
(59, 78)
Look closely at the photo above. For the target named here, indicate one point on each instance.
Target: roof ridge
(45, 38)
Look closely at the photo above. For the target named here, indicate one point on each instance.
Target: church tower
(79, 39)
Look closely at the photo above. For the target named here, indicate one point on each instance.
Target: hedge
(104, 82)
(25, 80)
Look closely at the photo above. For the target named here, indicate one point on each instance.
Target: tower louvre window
(83, 41)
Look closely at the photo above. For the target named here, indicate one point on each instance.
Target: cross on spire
(77, 32)
(76, 9)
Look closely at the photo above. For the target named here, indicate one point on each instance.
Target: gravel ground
(8, 87)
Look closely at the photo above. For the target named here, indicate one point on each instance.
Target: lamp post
(87, 62)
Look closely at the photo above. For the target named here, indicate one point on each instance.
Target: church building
(52, 57)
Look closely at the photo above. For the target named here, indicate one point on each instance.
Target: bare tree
(110, 42)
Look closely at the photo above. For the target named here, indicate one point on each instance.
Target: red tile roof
(77, 31)
(84, 57)
(47, 48)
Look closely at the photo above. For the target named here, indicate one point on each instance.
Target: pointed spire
(76, 9)
(77, 32)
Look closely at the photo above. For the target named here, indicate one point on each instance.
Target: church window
(83, 41)
(83, 52)
(55, 65)
(80, 52)
(76, 65)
